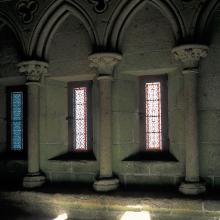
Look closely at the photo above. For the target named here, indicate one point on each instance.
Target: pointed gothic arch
(127, 9)
(51, 21)
(203, 19)
(7, 21)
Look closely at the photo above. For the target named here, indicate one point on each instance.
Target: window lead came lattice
(80, 119)
(153, 116)
(17, 127)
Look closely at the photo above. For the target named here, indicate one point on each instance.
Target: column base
(190, 188)
(33, 180)
(106, 184)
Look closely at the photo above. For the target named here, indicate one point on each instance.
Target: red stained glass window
(153, 105)
(153, 116)
(80, 118)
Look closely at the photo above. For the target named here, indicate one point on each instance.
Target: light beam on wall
(63, 216)
(129, 215)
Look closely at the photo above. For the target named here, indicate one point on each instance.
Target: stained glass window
(17, 130)
(153, 116)
(80, 118)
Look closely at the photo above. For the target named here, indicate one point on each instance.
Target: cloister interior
(110, 109)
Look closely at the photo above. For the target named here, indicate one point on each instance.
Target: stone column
(34, 71)
(189, 56)
(104, 63)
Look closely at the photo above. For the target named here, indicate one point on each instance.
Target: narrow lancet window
(17, 131)
(153, 116)
(16, 119)
(80, 119)
(80, 116)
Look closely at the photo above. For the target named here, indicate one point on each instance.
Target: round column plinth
(190, 188)
(33, 180)
(106, 184)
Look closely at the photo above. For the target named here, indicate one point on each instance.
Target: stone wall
(145, 42)
(209, 107)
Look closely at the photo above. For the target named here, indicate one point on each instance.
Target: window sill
(75, 156)
(165, 156)
(13, 156)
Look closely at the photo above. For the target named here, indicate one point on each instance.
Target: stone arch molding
(202, 20)
(15, 29)
(57, 12)
(126, 11)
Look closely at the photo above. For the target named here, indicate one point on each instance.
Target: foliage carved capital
(33, 70)
(104, 63)
(190, 55)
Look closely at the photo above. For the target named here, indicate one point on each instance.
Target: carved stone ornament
(104, 62)
(100, 5)
(190, 54)
(33, 70)
(26, 9)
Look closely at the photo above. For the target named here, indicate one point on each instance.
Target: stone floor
(79, 201)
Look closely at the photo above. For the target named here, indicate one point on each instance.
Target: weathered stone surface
(71, 177)
(124, 96)
(190, 188)
(209, 91)
(70, 48)
(19, 166)
(96, 206)
(149, 179)
(209, 166)
(209, 126)
(164, 168)
(134, 167)
(124, 120)
(33, 181)
(145, 40)
(176, 126)
(105, 185)
(51, 150)
(58, 166)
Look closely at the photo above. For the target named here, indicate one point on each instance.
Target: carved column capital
(33, 70)
(104, 63)
(190, 55)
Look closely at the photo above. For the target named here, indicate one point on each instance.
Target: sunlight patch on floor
(63, 216)
(129, 215)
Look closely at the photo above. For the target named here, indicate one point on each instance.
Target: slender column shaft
(105, 141)
(33, 70)
(189, 55)
(191, 128)
(104, 63)
(33, 128)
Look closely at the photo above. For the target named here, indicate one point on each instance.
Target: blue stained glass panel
(17, 121)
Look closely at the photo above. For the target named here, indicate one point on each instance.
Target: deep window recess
(80, 116)
(153, 113)
(16, 119)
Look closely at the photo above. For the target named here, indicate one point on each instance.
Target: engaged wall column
(104, 64)
(190, 55)
(33, 70)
